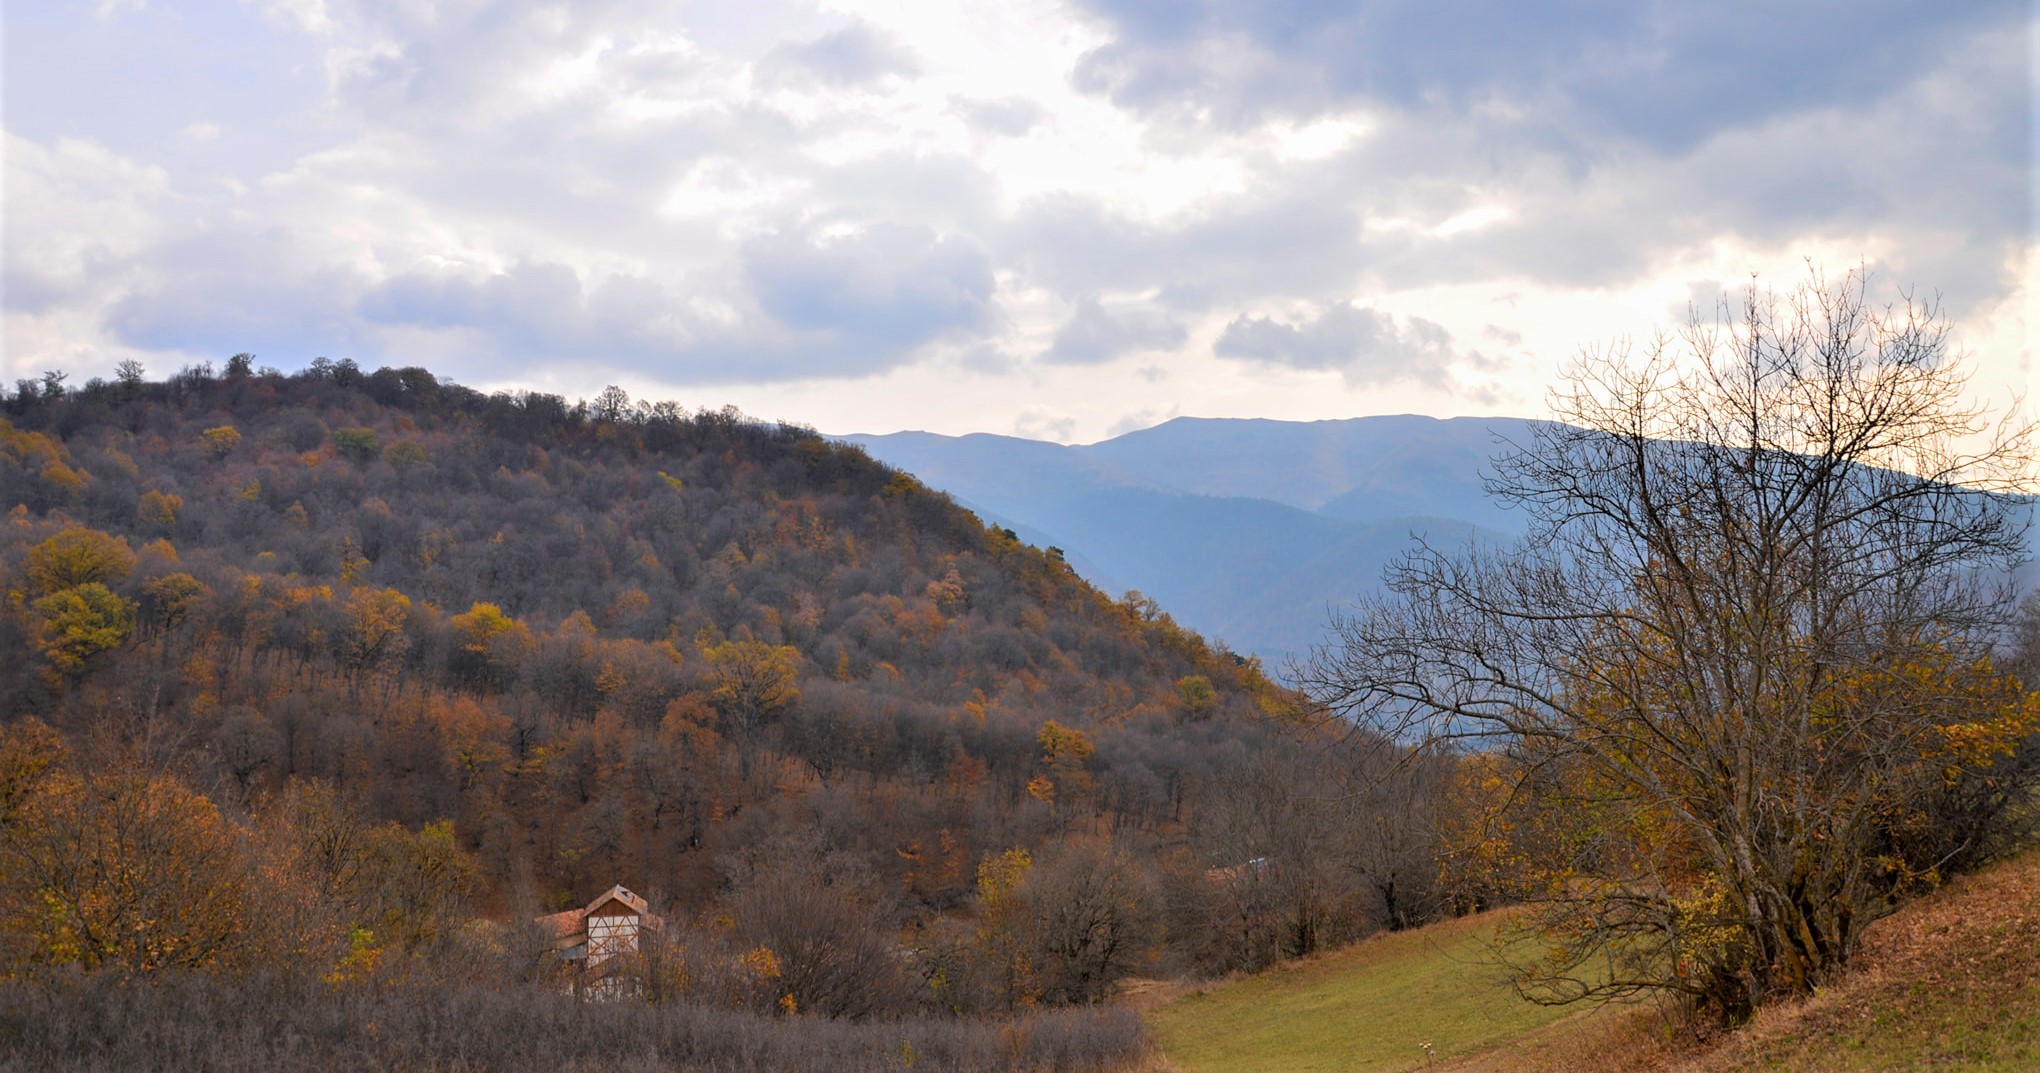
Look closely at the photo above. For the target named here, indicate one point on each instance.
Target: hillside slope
(1358, 469)
(606, 642)
(1950, 981)
(1393, 1002)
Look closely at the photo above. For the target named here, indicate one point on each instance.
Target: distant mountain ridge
(1247, 530)
(1358, 469)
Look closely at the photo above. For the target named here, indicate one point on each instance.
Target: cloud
(799, 305)
(885, 286)
(1666, 75)
(1280, 241)
(535, 308)
(1140, 419)
(1008, 117)
(853, 56)
(1364, 346)
(108, 10)
(702, 194)
(807, 305)
(77, 215)
(1094, 334)
(1042, 423)
(1871, 181)
(218, 292)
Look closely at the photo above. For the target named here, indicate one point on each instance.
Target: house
(598, 943)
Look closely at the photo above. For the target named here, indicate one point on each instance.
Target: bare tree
(1743, 648)
(1276, 840)
(1389, 825)
(1092, 922)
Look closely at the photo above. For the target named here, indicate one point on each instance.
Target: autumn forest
(348, 676)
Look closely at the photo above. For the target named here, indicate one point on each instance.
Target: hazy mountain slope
(1257, 573)
(1362, 469)
(1245, 529)
(1009, 482)
(1009, 468)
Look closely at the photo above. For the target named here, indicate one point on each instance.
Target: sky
(1061, 220)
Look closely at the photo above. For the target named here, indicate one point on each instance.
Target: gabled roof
(618, 894)
(575, 921)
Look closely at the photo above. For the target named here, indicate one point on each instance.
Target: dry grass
(1608, 1039)
(205, 1024)
(1950, 982)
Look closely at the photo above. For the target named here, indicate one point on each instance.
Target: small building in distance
(598, 945)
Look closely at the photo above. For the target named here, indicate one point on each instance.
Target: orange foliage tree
(124, 870)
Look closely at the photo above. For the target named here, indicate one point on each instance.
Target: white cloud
(108, 10)
(849, 57)
(1140, 419)
(1043, 423)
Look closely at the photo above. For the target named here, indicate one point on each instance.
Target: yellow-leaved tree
(754, 682)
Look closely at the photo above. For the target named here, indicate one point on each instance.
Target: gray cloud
(1363, 345)
(221, 292)
(891, 286)
(1667, 75)
(811, 306)
(1939, 176)
(852, 56)
(536, 310)
(1094, 334)
(803, 306)
(30, 289)
(1010, 117)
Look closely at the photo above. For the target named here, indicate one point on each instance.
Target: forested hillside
(557, 646)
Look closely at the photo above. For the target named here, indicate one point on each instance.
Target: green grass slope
(1950, 982)
(1371, 1006)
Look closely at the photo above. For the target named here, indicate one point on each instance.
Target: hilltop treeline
(420, 656)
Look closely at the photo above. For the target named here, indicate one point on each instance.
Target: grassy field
(1372, 1006)
(1951, 982)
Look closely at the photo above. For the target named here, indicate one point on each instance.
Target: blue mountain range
(1249, 531)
